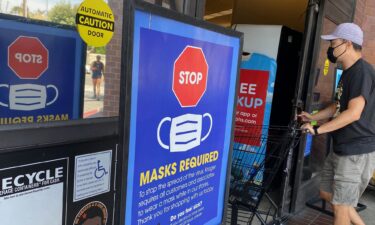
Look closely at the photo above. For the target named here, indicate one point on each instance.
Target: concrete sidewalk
(311, 217)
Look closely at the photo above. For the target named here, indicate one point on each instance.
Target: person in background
(97, 68)
(349, 168)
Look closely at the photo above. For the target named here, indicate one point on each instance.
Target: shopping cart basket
(258, 153)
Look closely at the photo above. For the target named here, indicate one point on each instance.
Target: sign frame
(126, 88)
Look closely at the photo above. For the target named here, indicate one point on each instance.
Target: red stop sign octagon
(190, 76)
(28, 57)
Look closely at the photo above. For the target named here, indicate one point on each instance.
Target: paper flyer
(35, 191)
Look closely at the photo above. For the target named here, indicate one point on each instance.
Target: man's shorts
(346, 177)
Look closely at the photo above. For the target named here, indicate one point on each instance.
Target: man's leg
(347, 185)
(345, 214)
(326, 190)
(353, 215)
(341, 215)
(367, 171)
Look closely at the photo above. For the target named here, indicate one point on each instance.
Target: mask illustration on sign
(185, 132)
(28, 97)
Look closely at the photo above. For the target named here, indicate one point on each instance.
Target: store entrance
(278, 38)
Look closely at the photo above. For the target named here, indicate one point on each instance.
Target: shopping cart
(258, 154)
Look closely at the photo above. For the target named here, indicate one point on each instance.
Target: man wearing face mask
(348, 169)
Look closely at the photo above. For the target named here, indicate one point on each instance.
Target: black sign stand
(126, 84)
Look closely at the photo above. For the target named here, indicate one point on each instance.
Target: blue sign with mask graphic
(182, 105)
(40, 73)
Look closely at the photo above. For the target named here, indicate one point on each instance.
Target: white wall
(262, 39)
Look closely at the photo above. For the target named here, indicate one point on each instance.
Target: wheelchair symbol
(100, 171)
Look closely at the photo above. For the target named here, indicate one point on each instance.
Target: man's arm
(326, 113)
(352, 114)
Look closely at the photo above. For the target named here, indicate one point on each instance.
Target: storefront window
(48, 72)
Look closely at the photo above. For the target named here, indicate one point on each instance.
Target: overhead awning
(290, 13)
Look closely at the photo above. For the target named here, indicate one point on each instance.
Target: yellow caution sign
(95, 22)
(326, 67)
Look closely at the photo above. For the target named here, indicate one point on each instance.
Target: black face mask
(331, 57)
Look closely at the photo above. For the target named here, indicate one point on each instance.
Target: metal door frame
(308, 76)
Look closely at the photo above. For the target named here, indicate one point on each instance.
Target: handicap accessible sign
(183, 91)
(40, 73)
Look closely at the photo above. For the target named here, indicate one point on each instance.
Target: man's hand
(306, 117)
(307, 128)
